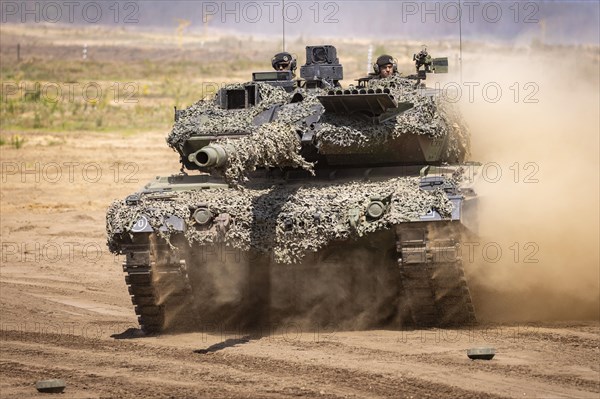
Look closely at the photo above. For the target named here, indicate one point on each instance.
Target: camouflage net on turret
(276, 144)
(273, 144)
(205, 118)
(287, 221)
(459, 137)
(430, 116)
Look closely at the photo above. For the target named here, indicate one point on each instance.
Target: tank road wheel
(157, 279)
(433, 289)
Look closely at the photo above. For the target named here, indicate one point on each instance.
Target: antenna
(370, 59)
(183, 24)
(283, 24)
(460, 39)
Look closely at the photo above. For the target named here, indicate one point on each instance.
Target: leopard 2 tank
(301, 194)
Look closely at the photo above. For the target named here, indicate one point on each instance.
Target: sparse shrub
(35, 95)
(37, 121)
(17, 141)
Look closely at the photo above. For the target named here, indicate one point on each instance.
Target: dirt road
(65, 311)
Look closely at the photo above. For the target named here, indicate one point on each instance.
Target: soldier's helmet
(385, 60)
(283, 61)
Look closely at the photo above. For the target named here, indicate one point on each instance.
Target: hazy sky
(552, 21)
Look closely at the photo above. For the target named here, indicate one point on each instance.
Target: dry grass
(134, 78)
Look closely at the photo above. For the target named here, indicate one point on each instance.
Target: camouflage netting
(429, 116)
(273, 144)
(206, 118)
(287, 221)
(276, 144)
(459, 137)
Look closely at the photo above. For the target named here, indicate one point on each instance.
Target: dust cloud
(349, 286)
(537, 256)
(344, 287)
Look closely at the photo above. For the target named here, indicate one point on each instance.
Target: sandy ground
(65, 311)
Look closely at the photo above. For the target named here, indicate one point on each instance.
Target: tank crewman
(385, 66)
(284, 62)
(423, 59)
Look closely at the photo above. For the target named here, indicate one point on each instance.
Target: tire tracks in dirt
(120, 368)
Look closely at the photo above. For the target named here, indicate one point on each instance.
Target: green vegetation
(131, 80)
(16, 141)
(134, 78)
(64, 96)
(75, 96)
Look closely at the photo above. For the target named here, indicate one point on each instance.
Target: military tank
(300, 188)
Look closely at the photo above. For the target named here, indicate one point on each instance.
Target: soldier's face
(282, 66)
(386, 70)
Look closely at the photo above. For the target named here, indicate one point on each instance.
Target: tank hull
(383, 266)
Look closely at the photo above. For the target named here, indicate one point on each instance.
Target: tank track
(433, 288)
(157, 279)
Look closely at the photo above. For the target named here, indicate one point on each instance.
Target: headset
(377, 68)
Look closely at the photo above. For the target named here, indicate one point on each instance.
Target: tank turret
(380, 122)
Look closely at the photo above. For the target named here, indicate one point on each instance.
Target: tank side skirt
(433, 289)
(157, 279)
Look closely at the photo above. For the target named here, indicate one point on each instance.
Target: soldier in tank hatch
(385, 66)
(423, 59)
(284, 62)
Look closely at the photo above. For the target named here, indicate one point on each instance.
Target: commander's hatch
(376, 106)
(272, 76)
(283, 79)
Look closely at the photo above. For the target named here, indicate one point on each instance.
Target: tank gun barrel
(211, 156)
